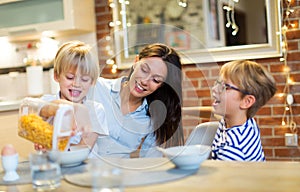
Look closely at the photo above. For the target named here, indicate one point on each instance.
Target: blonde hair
(76, 54)
(252, 78)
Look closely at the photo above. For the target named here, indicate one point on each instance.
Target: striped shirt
(238, 143)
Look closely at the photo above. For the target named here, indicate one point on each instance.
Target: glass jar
(52, 129)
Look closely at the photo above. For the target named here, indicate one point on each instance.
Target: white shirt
(97, 118)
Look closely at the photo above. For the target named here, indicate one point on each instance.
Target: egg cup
(10, 164)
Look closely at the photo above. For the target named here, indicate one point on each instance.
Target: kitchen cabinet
(22, 19)
(9, 133)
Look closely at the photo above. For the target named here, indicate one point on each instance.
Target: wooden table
(216, 176)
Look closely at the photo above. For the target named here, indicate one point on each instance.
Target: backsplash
(14, 85)
(9, 56)
(14, 54)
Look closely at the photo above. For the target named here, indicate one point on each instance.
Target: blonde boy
(242, 89)
(76, 72)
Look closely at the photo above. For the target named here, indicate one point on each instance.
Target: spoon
(162, 150)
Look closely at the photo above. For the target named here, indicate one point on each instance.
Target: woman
(144, 109)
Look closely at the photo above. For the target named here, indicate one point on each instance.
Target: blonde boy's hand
(39, 147)
(81, 116)
(81, 119)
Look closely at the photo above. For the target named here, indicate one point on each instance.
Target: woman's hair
(252, 78)
(76, 54)
(165, 103)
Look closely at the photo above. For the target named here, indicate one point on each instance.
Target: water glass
(45, 172)
(105, 177)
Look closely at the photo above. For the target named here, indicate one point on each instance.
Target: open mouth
(139, 88)
(216, 101)
(74, 93)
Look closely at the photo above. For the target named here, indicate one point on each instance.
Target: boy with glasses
(242, 89)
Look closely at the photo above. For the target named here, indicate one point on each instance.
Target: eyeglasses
(221, 86)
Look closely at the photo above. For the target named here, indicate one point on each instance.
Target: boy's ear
(56, 77)
(247, 101)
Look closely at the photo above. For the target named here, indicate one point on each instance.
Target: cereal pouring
(52, 131)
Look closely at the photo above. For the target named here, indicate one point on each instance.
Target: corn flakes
(33, 128)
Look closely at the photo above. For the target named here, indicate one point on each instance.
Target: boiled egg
(8, 150)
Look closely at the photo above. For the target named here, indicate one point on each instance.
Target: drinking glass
(45, 172)
(105, 177)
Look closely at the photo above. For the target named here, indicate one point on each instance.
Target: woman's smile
(139, 88)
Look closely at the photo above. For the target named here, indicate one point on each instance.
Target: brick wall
(198, 80)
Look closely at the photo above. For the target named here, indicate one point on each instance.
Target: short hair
(76, 54)
(252, 78)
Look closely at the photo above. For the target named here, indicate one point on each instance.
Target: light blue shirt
(125, 131)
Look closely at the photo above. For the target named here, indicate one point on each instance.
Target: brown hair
(167, 98)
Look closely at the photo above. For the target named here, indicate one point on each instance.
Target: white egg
(8, 150)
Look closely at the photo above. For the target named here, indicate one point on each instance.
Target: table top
(213, 176)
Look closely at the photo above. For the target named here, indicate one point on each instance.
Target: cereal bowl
(187, 157)
(75, 156)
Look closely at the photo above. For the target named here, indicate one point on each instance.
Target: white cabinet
(9, 133)
(56, 17)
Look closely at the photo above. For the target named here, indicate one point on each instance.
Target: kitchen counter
(20, 69)
(9, 105)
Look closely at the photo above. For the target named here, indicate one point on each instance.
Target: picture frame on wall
(211, 45)
(213, 16)
(214, 20)
(178, 40)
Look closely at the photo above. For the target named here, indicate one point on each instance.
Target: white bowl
(74, 157)
(187, 157)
